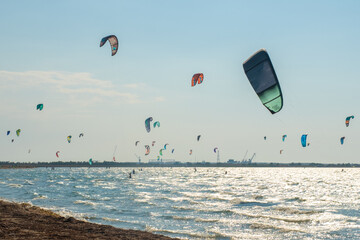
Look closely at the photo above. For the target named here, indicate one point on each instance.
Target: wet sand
(24, 221)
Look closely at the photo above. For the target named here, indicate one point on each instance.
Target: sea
(202, 203)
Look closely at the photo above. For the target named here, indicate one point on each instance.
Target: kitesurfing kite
(264, 137)
(215, 149)
(40, 107)
(57, 153)
(160, 152)
(7, 133)
(147, 149)
(147, 123)
(90, 161)
(342, 140)
(165, 146)
(136, 143)
(69, 138)
(81, 135)
(283, 137)
(303, 140)
(262, 77)
(190, 152)
(198, 137)
(113, 43)
(18, 132)
(156, 124)
(197, 79)
(153, 143)
(347, 120)
(281, 151)
(172, 151)
(12, 140)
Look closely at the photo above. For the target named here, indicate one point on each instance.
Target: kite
(40, 107)
(113, 43)
(342, 140)
(283, 137)
(69, 138)
(90, 161)
(147, 149)
(262, 77)
(165, 146)
(281, 151)
(197, 79)
(264, 137)
(190, 152)
(153, 143)
(81, 135)
(303, 140)
(172, 151)
(7, 133)
(215, 149)
(156, 124)
(198, 137)
(347, 120)
(160, 152)
(18, 132)
(147, 123)
(136, 143)
(57, 153)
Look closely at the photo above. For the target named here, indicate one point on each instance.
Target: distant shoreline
(14, 165)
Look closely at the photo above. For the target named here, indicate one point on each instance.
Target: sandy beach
(24, 221)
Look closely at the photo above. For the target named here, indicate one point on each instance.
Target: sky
(50, 54)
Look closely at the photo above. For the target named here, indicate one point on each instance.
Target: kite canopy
(342, 140)
(90, 161)
(190, 152)
(69, 138)
(197, 79)
(147, 124)
(283, 137)
(147, 149)
(347, 120)
(172, 151)
(136, 143)
(215, 149)
(303, 140)
(113, 43)
(165, 146)
(153, 143)
(160, 152)
(40, 107)
(18, 132)
(7, 133)
(156, 124)
(281, 151)
(57, 153)
(81, 135)
(262, 77)
(264, 137)
(198, 137)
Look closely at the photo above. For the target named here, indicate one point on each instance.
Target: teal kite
(262, 77)
(40, 107)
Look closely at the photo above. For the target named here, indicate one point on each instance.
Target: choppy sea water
(245, 203)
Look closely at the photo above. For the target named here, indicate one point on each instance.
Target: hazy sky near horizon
(50, 54)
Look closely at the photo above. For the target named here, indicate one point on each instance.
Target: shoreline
(26, 221)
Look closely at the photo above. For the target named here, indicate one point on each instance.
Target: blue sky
(50, 54)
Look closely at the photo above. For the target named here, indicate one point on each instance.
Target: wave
(14, 185)
(85, 202)
(201, 235)
(295, 199)
(297, 211)
(268, 226)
